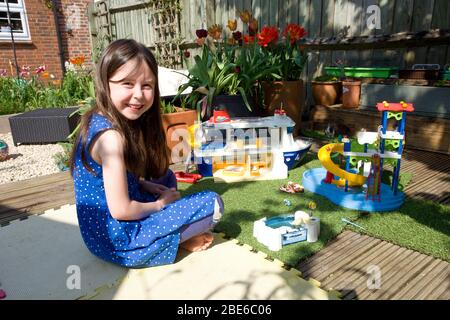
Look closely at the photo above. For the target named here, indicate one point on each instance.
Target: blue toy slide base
(353, 199)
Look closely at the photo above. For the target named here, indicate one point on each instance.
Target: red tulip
(267, 35)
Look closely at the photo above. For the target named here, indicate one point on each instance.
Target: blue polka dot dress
(148, 242)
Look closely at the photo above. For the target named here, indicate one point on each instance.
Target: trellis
(155, 23)
(166, 24)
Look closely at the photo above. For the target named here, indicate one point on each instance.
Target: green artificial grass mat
(419, 225)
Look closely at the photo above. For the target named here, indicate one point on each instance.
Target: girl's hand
(168, 196)
(152, 188)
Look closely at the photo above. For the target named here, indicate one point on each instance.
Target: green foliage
(21, 95)
(289, 61)
(326, 78)
(62, 159)
(254, 67)
(213, 73)
(167, 107)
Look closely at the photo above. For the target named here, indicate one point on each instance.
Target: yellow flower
(215, 31)
(245, 16)
(312, 205)
(232, 25)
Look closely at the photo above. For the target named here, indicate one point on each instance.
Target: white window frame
(16, 7)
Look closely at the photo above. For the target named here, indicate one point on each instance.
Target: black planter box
(43, 125)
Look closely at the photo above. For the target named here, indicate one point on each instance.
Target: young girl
(124, 218)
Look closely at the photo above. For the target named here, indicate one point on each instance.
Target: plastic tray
(360, 72)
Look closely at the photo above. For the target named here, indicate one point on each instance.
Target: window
(18, 19)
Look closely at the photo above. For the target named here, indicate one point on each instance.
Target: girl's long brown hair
(145, 150)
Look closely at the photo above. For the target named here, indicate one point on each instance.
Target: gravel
(27, 161)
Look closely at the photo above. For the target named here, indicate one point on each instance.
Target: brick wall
(74, 26)
(43, 47)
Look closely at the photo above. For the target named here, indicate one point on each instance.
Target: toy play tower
(356, 183)
(395, 139)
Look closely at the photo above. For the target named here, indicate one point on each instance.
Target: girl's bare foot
(198, 243)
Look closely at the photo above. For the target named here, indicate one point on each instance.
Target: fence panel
(112, 19)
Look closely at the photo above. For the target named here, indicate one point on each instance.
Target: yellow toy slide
(354, 180)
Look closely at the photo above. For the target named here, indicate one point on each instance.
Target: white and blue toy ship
(248, 149)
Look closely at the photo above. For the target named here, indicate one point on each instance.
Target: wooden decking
(20, 199)
(352, 262)
(431, 175)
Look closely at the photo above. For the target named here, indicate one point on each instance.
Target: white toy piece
(283, 230)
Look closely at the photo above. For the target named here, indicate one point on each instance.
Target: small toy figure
(4, 150)
(279, 112)
(300, 218)
(292, 187)
(328, 178)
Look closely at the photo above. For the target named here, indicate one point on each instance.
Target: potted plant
(351, 89)
(227, 71)
(326, 90)
(284, 86)
(176, 120)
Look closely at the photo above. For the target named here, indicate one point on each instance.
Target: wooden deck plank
(347, 259)
(385, 265)
(21, 194)
(34, 210)
(345, 276)
(421, 173)
(420, 281)
(321, 260)
(336, 243)
(446, 294)
(314, 265)
(44, 195)
(403, 278)
(354, 281)
(33, 183)
(63, 196)
(431, 180)
(393, 269)
(441, 279)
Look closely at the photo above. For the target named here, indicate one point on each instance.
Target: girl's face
(132, 89)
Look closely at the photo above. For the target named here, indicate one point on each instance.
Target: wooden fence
(323, 20)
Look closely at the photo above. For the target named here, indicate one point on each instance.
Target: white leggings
(205, 224)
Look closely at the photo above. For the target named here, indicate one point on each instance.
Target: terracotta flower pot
(351, 93)
(178, 121)
(326, 93)
(288, 93)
